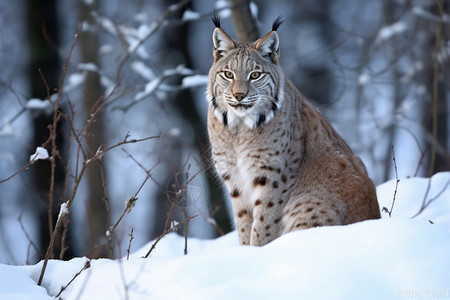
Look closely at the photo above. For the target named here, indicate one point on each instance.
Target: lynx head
(245, 81)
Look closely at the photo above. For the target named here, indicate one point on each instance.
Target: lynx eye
(255, 75)
(229, 74)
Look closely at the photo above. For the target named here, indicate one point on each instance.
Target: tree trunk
(43, 40)
(246, 30)
(89, 45)
(436, 113)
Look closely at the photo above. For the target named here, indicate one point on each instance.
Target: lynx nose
(239, 96)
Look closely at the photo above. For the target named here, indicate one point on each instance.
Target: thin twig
(22, 227)
(186, 231)
(108, 210)
(425, 202)
(122, 277)
(87, 265)
(129, 206)
(131, 201)
(148, 172)
(129, 244)
(64, 238)
(166, 232)
(125, 141)
(210, 219)
(20, 170)
(396, 184)
(54, 150)
(155, 26)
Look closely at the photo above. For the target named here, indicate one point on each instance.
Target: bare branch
(60, 89)
(426, 202)
(396, 184)
(129, 245)
(22, 227)
(155, 26)
(86, 266)
(166, 232)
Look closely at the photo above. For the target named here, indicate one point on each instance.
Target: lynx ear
(268, 46)
(222, 43)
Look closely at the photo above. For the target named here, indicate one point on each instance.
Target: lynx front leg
(267, 212)
(243, 218)
(244, 222)
(266, 224)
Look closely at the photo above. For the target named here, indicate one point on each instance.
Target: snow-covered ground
(391, 258)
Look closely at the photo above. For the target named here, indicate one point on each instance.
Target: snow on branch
(190, 15)
(38, 104)
(390, 31)
(135, 38)
(63, 210)
(194, 80)
(421, 12)
(152, 86)
(191, 79)
(74, 80)
(142, 70)
(41, 153)
(105, 23)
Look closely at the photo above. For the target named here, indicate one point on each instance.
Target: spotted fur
(284, 166)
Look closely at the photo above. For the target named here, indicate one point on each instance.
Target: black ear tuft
(278, 21)
(216, 19)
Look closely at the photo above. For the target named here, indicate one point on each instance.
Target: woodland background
(120, 108)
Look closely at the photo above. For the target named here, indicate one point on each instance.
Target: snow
(224, 7)
(41, 153)
(106, 49)
(391, 30)
(63, 210)
(149, 89)
(135, 37)
(106, 24)
(88, 67)
(194, 80)
(190, 15)
(426, 15)
(363, 79)
(75, 80)
(414, 192)
(6, 130)
(38, 104)
(153, 84)
(391, 258)
(144, 71)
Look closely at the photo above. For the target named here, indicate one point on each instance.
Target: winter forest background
(121, 111)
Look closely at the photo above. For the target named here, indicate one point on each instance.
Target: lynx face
(245, 80)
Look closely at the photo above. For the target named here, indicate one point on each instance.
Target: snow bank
(413, 193)
(16, 283)
(391, 258)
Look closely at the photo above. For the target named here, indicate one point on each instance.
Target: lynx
(284, 165)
